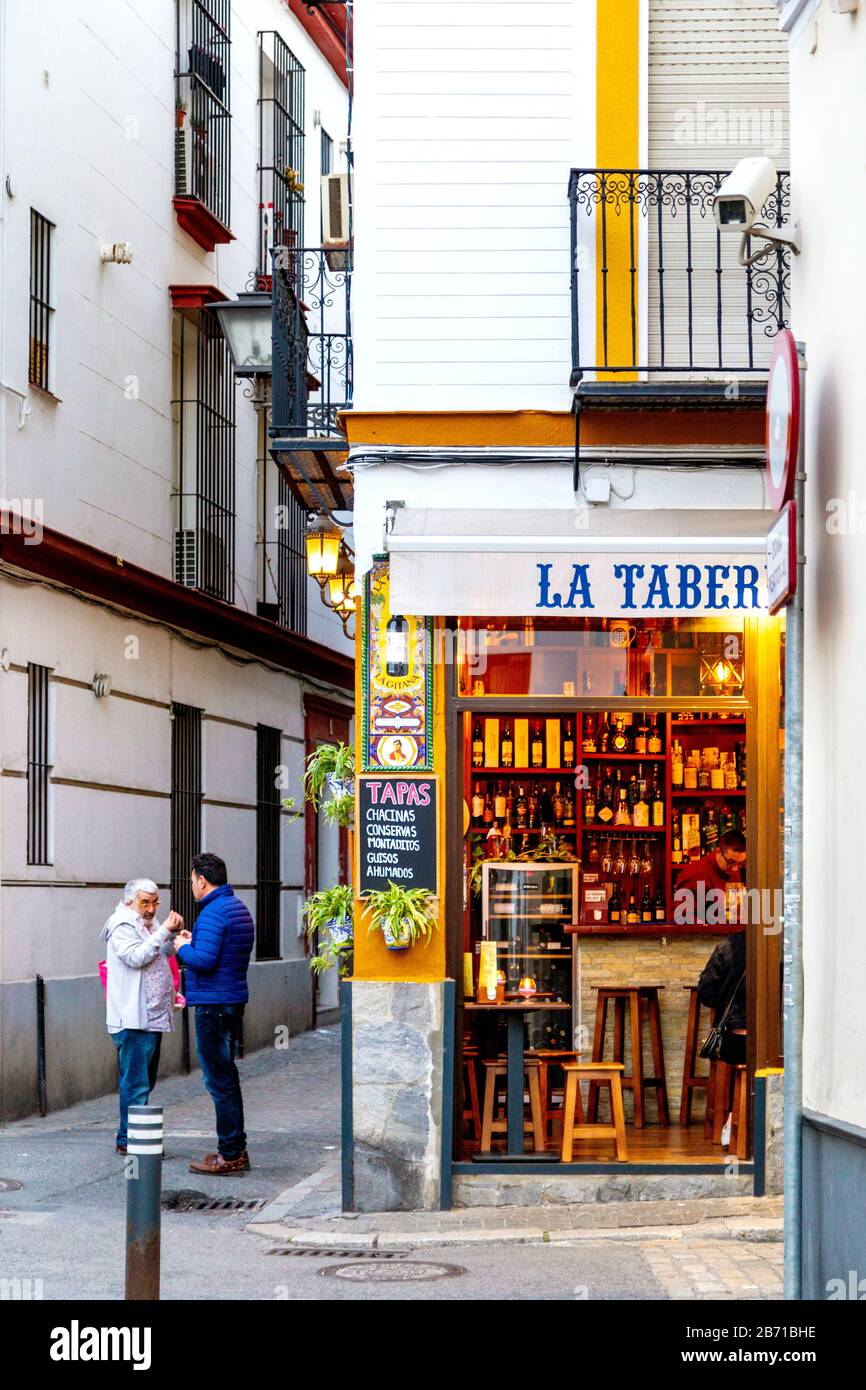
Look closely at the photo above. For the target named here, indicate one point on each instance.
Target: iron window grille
(281, 147)
(698, 310)
(282, 559)
(41, 308)
(203, 104)
(39, 761)
(204, 440)
(312, 343)
(268, 821)
(186, 802)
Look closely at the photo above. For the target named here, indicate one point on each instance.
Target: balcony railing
(656, 288)
(312, 360)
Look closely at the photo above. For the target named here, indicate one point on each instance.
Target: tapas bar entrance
(593, 763)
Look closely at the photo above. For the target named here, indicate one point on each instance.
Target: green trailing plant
(340, 809)
(403, 915)
(330, 766)
(330, 913)
(291, 805)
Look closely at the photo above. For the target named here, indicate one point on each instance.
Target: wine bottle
(614, 905)
(632, 915)
(488, 810)
(660, 905)
(657, 806)
(677, 765)
(507, 750)
(568, 808)
(477, 745)
(478, 804)
(558, 805)
(397, 646)
(568, 745)
(499, 804)
(605, 803)
(521, 809)
(536, 756)
(589, 804)
(646, 906)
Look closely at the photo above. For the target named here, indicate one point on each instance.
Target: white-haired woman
(139, 994)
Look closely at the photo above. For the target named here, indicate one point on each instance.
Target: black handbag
(711, 1048)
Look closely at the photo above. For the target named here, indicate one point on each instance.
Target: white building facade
(166, 662)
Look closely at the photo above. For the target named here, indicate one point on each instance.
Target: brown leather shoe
(215, 1164)
(120, 1148)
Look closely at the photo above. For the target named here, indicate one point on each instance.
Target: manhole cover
(190, 1201)
(403, 1273)
(10, 1185)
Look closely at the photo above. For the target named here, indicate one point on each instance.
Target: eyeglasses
(733, 863)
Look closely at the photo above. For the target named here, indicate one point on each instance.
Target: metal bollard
(143, 1202)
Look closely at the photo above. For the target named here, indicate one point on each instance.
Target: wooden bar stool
(551, 1114)
(598, 1074)
(643, 1008)
(719, 1086)
(471, 1102)
(495, 1079)
(739, 1122)
(693, 1080)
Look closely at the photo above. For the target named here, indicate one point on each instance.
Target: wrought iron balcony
(312, 371)
(656, 290)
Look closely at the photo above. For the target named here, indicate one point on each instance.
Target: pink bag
(175, 975)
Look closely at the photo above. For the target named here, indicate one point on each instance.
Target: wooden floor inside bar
(662, 1144)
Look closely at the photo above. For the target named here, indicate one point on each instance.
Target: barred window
(40, 741)
(268, 820)
(203, 105)
(186, 801)
(204, 456)
(281, 147)
(41, 308)
(282, 567)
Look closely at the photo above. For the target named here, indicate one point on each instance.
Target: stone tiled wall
(397, 1065)
(673, 962)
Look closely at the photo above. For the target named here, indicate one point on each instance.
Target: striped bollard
(143, 1201)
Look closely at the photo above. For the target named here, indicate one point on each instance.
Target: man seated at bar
(703, 885)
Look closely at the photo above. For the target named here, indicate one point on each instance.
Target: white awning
(600, 561)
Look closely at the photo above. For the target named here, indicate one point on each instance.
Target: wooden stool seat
(693, 1080)
(739, 1123)
(471, 1101)
(496, 1073)
(601, 1073)
(548, 1057)
(643, 1008)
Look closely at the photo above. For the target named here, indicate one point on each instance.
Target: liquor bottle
(659, 907)
(499, 804)
(620, 741)
(677, 766)
(509, 802)
(536, 756)
(641, 781)
(477, 745)
(604, 735)
(488, 810)
(654, 742)
(507, 836)
(741, 750)
(646, 906)
(640, 811)
(604, 812)
(614, 905)
(623, 814)
(558, 805)
(633, 791)
(545, 805)
(397, 646)
(731, 777)
(726, 820)
(568, 745)
(507, 750)
(532, 816)
(711, 831)
(677, 845)
(657, 806)
(568, 808)
(590, 743)
(478, 805)
(521, 809)
(589, 804)
(632, 915)
(641, 736)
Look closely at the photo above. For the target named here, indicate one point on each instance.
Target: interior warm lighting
(323, 548)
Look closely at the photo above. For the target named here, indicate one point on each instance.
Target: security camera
(738, 202)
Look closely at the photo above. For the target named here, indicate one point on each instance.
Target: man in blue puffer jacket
(216, 955)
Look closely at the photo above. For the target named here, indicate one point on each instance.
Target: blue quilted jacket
(217, 958)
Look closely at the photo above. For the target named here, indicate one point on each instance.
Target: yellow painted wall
(617, 117)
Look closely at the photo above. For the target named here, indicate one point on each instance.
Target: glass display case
(526, 908)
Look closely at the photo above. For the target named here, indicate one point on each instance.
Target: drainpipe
(793, 901)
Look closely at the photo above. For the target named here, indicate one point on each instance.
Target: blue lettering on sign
(696, 586)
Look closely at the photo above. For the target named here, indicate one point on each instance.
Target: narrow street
(72, 1200)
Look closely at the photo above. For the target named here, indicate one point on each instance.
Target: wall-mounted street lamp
(322, 541)
(246, 327)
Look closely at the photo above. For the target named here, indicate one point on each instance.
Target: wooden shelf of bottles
(628, 813)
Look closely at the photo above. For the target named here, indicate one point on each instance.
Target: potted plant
(330, 767)
(180, 114)
(329, 915)
(403, 915)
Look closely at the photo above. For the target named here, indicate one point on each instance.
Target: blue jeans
(217, 1028)
(138, 1064)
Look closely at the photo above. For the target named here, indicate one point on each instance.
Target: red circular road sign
(783, 419)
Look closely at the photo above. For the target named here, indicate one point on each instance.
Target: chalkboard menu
(397, 832)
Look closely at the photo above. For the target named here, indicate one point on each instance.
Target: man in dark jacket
(216, 955)
(723, 979)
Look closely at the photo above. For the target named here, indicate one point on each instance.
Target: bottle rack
(654, 844)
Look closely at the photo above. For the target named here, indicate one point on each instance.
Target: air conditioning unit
(335, 220)
(185, 558)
